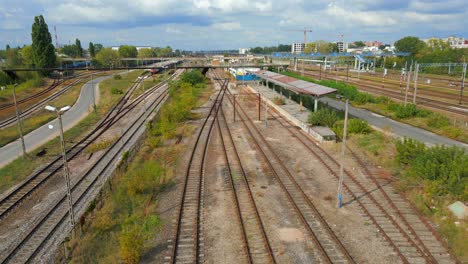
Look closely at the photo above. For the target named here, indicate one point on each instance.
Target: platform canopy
(293, 84)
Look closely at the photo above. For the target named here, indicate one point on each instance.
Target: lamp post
(18, 118)
(65, 163)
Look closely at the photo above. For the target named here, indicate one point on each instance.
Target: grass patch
(41, 117)
(21, 168)
(95, 147)
(125, 222)
(24, 88)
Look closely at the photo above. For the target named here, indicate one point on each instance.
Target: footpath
(43, 134)
(378, 122)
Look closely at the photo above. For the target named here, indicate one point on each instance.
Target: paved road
(43, 134)
(397, 128)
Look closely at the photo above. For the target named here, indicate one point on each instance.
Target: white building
(137, 47)
(244, 50)
(342, 46)
(297, 47)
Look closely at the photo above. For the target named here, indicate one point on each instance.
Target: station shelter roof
(293, 84)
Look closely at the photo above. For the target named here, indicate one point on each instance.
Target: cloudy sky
(230, 24)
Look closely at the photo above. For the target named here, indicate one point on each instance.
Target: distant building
(297, 47)
(342, 46)
(373, 44)
(137, 47)
(454, 42)
(244, 50)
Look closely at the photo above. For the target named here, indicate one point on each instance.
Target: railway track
(45, 91)
(409, 234)
(376, 89)
(257, 245)
(395, 84)
(17, 195)
(436, 82)
(54, 218)
(329, 247)
(39, 106)
(186, 246)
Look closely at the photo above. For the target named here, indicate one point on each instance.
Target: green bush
(358, 126)
(383, 100)
(444, 170)
(364, 98)
(193, 77)
(116, 91)
(437, 121)
(323, 117)
(117, 77)
(406, 111)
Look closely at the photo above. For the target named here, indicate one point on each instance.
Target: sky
(231, 24)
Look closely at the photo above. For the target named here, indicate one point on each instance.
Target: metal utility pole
(234, 96)
(302, 70)
(320, 72)
(259, 104)
(65, 162)
(347, 72)
(343, 152)
(408, 79)
(416, 73)
(94, 97)
(462, 83)
(143, 94)
(67, 173)
(18, 119)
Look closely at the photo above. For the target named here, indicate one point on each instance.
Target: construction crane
(305, 30)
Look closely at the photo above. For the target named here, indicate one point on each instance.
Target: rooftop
(293, 84)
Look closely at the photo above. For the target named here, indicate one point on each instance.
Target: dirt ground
(289, 239)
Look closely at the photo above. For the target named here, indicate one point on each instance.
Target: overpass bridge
(205, 66)
(240, 58)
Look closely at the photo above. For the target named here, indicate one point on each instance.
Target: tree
(410, 44)
(43, 52)
(13, 57)
(27, 55)
(108, 57)
(145, 53)
(165, 52)
(382, 47)
(7, 47)
(78, 48)
(97, 47)
(69, 50)
(359, 44)
(127, 51)
(91, 50)
(257, 50)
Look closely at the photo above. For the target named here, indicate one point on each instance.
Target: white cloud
(212, 23)
(227, 26)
